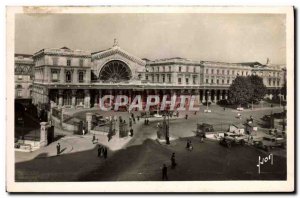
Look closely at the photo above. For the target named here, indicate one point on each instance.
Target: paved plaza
(140, 158)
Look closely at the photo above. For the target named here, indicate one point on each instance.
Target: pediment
(117, 51)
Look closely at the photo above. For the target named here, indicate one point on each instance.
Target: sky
(210, 37)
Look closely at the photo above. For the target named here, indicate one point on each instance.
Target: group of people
(165, 168)
(102, 151)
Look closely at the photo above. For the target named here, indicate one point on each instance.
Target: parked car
(231, 139)
(269, 142)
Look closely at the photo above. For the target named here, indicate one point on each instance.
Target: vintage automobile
(269, 142)
(98, 120)
(203, 128)
(231, 139)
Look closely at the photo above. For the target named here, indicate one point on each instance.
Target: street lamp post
(279, 95)
(207, 100)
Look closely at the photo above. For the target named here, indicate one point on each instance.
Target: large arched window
(115, 71)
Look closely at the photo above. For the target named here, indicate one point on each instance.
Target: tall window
(69, 62)
(222, 71)
(194, 69)
(157, 78)
(187, 68)
(217, 81)
(212, 81)
(68, 76)
(227, 72)
(164, 69)
(146, 77)
(152, 78)
(19, 93)
(179, 80)
(206, 81)
(169, 76)
(81, 76)
(194, 80)
(81, 62)
(206, 71)
(223, 81)
(228, 81)
(187, 81)
(55, 61)
(163, 78)
(169, 68)
(212, 71)
(179, 69)
(54, 76)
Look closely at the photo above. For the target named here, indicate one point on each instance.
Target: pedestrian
(83, 132)
(58, 148)
(177, 114)
(173, 162)
(138, 118)
(191, 146)
(195, 113)
(105, 152)
(94, 138)
(224, 108)
(187, 144)
(164, 172)
(131, 132)
(99, 151)
(186, 116)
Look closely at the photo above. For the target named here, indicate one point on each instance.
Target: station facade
(78, 79)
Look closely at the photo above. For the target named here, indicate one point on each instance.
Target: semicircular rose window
(115, 71)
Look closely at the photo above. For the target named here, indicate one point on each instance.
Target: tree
(240, 91)
(259, 89)
(246, 89)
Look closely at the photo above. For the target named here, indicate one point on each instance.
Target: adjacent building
(77, 78)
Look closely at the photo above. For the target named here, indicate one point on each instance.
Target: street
(143, 156)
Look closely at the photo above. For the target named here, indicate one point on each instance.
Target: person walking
(105, 152)
(58, 148)
(94, 138)
(99, 151)
(164, 173)
(131, 132)
(173, 162)
(191, 146)
(187, 144)
(186, 116)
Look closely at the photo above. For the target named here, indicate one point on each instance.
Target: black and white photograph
(129, 99)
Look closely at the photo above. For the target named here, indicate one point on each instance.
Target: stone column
(95, 99)
(60, 98)
(221, 95)
(209, 96)
(86, 98)
(203, 96)
(99, 96)
(74, 98)
(43, 134)
(215, 96)
(89, 121)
